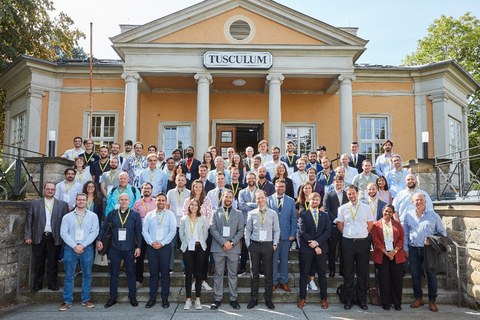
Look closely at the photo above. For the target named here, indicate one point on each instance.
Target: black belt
(47, 234)
(261, 242)
(356, 239)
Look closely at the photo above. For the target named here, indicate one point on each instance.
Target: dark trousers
(139, 262)
(194, 266)
(208, 257)
(333, 243)
(356, 254)
(320, 262)
(261, 254)
(415, 258)
(243, 256)
(116, 258)
(390, 281)
(159, 262)
(46, 249)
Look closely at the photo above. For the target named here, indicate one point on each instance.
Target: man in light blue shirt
(396, 177)
(383, 164)
(79, 229)
(219, 167)
(159, 229)
(158, 178)
(403, 201)
(419, 225)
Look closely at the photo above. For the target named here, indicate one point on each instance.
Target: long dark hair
(96, 194)
(173, 175)
(386, 183)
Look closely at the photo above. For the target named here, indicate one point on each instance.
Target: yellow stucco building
(230, 73)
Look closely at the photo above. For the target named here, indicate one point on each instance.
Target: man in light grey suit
(227, 228)
(42, 231)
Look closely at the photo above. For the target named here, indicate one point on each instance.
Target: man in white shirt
(263, 152)
(272, 165)
(299, 177)
(67, 189)
(350, 172)
(77, 149)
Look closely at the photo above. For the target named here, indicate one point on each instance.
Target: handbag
(100, 259)
(106, 240)
(373, 294)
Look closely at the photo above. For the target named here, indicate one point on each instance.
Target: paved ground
(124, 311)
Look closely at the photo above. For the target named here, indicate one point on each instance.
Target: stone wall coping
(452, 208)
(58, 160)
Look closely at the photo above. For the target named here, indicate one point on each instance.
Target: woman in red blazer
(388, 237)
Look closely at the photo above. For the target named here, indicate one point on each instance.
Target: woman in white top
(193, 235)
(82, 174)
(383, 193)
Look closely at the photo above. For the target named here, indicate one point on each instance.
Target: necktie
(315, 218)
(279, 204)
(219, 197)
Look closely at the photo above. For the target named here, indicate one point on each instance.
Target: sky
(392, 27)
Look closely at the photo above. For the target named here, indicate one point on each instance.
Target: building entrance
(238, 136)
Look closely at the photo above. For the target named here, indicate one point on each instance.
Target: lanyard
(67, 189)
(160, 221)
(290, 160)
(315, 217)
(388, 228)
(104, 167)
(114, 176)
(180, 197)
(126, 217)
(278, 203)
(189, 166)
(354, 215)
(151, 174)
(262, 216)
(120, 192)
(410, 194)
(80, 222)
(235, 190)
(398, 178)
(145, 206)
(79, 175)
(327, 177)
(192, 225)
(355, 159)
(89, 204)
(87, 161)
(48, 207)
(307, 206)
(373, 207)
(226, 214)
(304, 177)
(219, 195)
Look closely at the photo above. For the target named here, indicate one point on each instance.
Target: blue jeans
(416, 256)
(281, 254)
(70, 261)
(158, 262)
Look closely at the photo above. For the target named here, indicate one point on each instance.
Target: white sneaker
(193, 286)
(312, 286)
(198, 304)
(188, 305)
(206, 287)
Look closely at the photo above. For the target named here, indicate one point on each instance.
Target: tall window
(18, 130)
(373, 130)
(302, 136)
(104, 128)
(455, 135)
(176, 137)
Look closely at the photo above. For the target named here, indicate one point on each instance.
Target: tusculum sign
(237, 60)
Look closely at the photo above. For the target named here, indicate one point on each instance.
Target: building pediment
(240, 22)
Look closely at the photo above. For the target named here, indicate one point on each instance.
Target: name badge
(122, 234)
(117, 206)
(78, 234)
(191, 245)
(189, 176)
(226, 232)
(159, 235)
(66, 197)
(263, 235)
(389, 246)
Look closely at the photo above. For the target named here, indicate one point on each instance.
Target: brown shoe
(417, 303)
(285, 287)
(301, 303)
(275, 287)
(324, 304)
(432, 306)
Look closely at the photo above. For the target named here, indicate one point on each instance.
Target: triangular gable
(278, 24)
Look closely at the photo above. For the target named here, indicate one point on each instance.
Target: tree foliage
(458, 39)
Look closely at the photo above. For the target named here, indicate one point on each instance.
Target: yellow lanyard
(327, 177)
(145, 206)
(180, 197)
(262, 216)
(373, 208)
(302, 179)
(79, 175)
(410, 194)
(104, 167)
(354, 215)
(290, 160)
(160, 221)
(397, 178)
(315, 217)
(235, 190)
(387, 227)
(89, 205)
(80, 222)
(151, 174)
(193, 225)
(347, 170)
(114, 176)
(278, 203)
(48, 207)
(307, 206)
(87, 160)
(126, 217)
(226, 214)
(355, 160)
(67, 189)
(219, 195)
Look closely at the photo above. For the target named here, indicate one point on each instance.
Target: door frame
(216, 122)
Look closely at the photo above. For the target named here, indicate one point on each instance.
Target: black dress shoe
(398, 308)
(235, 305)
(150, 303)
(110, 303)
(53, 288)
(133, 302)
(347, 306)
(252, 304)
(363, 306)
(240, 271)
(270, 304)
(386, 307)
(35, 289)
(215, 305)
(165, 304)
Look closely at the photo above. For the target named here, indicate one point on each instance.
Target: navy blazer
(193, 169)
(209, 186)
(379, 214)
(331, 204)
(361, 157)
(287, 217)
(307, 231)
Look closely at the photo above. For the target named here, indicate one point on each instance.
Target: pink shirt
(144, 207)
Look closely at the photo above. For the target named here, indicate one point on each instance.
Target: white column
(440, 123)
(420, 117)
(274, 81)
(34, 114)
(346, 112)
(203, 111)
(131, 106)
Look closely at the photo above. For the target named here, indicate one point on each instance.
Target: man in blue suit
(284, 206)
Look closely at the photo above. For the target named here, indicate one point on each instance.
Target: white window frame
(388, 132)
(455, 132)
(19, 129)
(98, 141)
(296, 125)
(163, 125)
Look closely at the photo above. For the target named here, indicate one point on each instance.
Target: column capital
(203, 77)
(346, 78)
(437, 97)
(275, 78)
(34, 92)
(131, 77)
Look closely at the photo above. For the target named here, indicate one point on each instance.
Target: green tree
(458, 39)
(30, 27)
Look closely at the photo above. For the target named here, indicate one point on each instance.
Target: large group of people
(219, 213)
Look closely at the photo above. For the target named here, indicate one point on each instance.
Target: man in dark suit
(313, 232)
(356, 158)
(332, 201)
(202, 175)
(284, 206)
(190, 166)
(42, 231)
